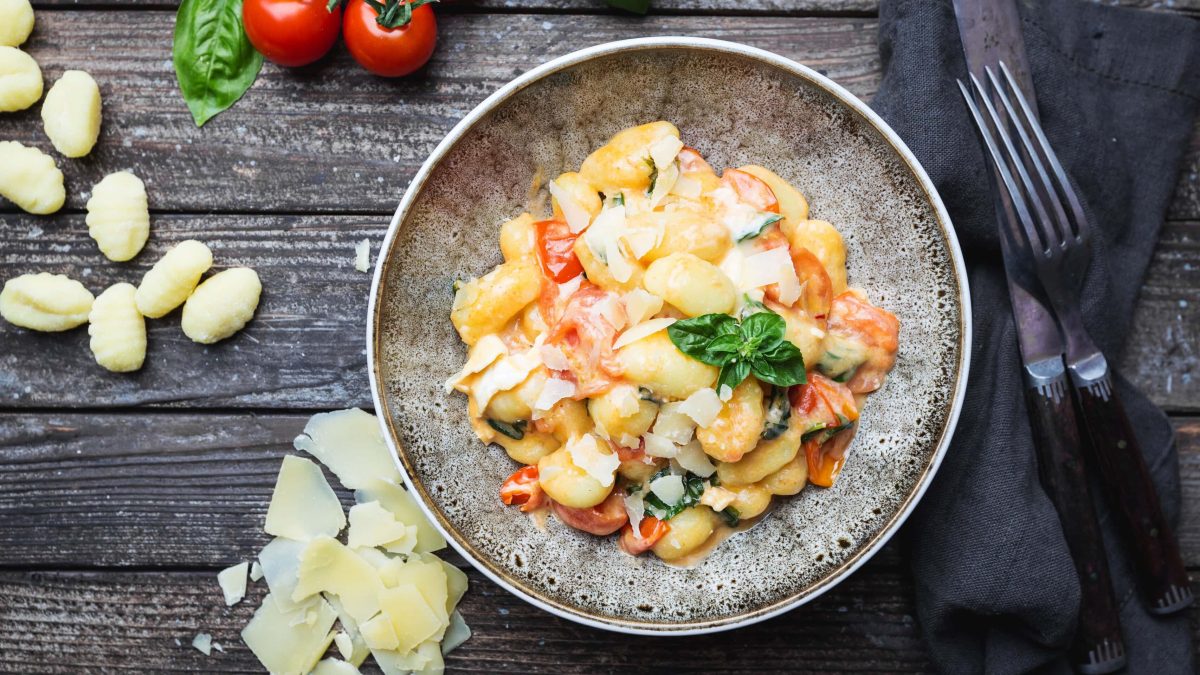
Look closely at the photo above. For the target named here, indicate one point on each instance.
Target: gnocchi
(30, 179)
(20, 79)
(45, 302)
(71, 114)
(665, 343)
(118, 216)
(16, 22)
(117, 330)
(221, 305)
(173, 278)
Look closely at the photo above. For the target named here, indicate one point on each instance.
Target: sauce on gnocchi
(670, 349)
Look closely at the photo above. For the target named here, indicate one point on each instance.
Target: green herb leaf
(823, 432)
(779, 370)
(693, 487)
(515, 431)
(750, 306)
(778, 414)
(725, 344)
(732, 374)
(635, 6)
(692, 336)
(764, 221)
(756, 345)
(214, 61)
(653, 175)
(731, 516)
(765, 327)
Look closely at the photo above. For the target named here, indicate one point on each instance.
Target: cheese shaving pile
(382, 594)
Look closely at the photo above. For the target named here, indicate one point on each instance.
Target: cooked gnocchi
(71, 114)
(222, 305)
(669, 348)
(117, 330)
(45, 302)
(173, 278)
(30, 179)
(20, 80)
(118, 215)
(16, 22)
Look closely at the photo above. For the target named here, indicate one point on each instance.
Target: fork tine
(1006, 182)
(1082, 230)
(1046, 195)
(1034, 222)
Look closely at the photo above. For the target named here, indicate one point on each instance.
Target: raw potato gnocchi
(173, 278)
(119, 215)
(71, 113)
(45, 302)
(30, 179)
(20, 79)
(221, 305)
(117, 329)
(16, 22)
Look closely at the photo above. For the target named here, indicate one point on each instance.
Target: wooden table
(122, 495)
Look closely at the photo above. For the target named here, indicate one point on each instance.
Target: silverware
(1056, 236)
(990, 34)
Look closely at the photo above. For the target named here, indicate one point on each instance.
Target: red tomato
(820, 404)
(751, 190)
(556, 250)
(851, 316)
(691, 161)
(522, 488)
(604, 518)
(291, 32)
(389, 49)
(651, 529)
(825, 460)
(586, 339)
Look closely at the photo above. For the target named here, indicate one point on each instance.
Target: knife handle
(1098, 645)
(1123, 472)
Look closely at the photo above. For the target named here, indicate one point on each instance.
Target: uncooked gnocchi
(71, 113)
(20, 79)
(46, 302)
(173, 278)
(221, 305)
(16, 22)
(30, 178)
(118, 215)
(117, 329)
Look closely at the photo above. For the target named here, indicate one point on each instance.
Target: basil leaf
(765, 220)
(767, 328)
(515, 431)
(692, 336)
(781, 373)
(823, 432)
(693, 487)
(725, 344)
(214, 61)
(777, 415)
(731, 516)
(732, 374)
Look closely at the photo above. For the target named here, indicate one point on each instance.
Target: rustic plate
(737, 105)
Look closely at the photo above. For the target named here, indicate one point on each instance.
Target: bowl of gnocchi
(669, 335)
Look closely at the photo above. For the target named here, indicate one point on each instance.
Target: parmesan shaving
(344, 644)
(286, 648)
(642, 330)
(640, 305)
(485, 352)
(702, 406)
(327, 565)
(280, 561)
(203, 643)
(373, 525)
(613, 311)
(659, 446)
(349, 442)
(726, 393)
(402, 505)
(626, 400)
(664, 150)
(256, 571)
(673, 424)
(717, 498)
(635, 508)
(586, 454)
(664, 183)
(641, 242)
(773, 266)
(608, 226)
(618, 265)
(692, 458)
(577, 217)
(553, 357)
(334, 667)
(456, 633)
(554, 391)
(503, 375)
(362, 256)
(232, 581)
(568, 288)
(668, 488)
(303, 505)
(413, 619)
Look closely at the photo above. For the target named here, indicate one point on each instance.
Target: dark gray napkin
(1118, 90)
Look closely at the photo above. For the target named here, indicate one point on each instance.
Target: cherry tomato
(851, 316)
(586, 339)
(822, 405)
(392, 49)
(604, 518)
(291, 32)
(522, 488)
(691, 161)
(651, 529)
(555, 249)
(825, 460)
(751, 190)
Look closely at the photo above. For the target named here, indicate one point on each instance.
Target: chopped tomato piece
(751, 190)
(825, 460)
(522, 488)
(629, 454)
(555, 249)
(651, 530)
(852, 317)
(586, 339)
(825, 410)
(691, 161)
(816, 288)
(602, 519)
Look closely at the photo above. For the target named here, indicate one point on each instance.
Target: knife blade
(990, 33)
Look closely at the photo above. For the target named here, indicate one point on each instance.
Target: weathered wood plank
(154, 490)
(66, 622)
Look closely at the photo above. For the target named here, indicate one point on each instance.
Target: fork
(1055, 234)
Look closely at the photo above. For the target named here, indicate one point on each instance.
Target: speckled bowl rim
(497, 573)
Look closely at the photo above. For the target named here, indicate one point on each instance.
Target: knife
(990, 33)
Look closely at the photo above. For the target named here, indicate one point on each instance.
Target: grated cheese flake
(773, 266)
(635, 508)
(664, 150)
(618, 265)
(345, 644)
(659, 446)
(702, 406)
(373, 525)
(286, 648)
(641, 241)
(554, 391)
(485, 352)
(613, 311)
(554, 358)
(256, 571)
(673, 424)
(232, 581)
(280, 562)
(334, 667)
(642, 330)
(577, 217)
(626, 400)
(350, 443)
(402, 505)
(504, 374)
(328, 565)
(413, 619)
(362, 256)
(586, 454)
(692, 458)
(456, 633)
(303, 506)
(668, 488)
(640, 305)
(664, 183)
(203, 643)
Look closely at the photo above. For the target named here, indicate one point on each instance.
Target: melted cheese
(303, 505)
(586, 454)
(349, 442)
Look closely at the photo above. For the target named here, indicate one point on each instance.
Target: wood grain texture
(306, 346)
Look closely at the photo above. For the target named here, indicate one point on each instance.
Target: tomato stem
(394, 13)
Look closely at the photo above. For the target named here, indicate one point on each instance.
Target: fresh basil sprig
(754, 345)
(214, 60)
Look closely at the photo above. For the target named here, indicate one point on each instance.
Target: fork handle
(1098, 646)
(1126, 479)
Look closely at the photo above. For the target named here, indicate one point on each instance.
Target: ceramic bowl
(737, 105)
